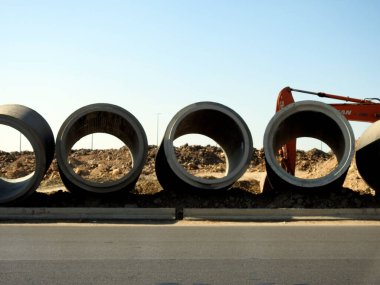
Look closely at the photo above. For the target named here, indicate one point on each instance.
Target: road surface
(190, 253)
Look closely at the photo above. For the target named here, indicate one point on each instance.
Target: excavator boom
(361, 112)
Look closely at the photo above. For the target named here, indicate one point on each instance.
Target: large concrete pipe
(39, 134)
(101, 118)
(217, 122)
(368, 155)
(315, 120)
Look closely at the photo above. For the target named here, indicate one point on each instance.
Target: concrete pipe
(217, 122)
(315, 120)
(39, 134)
(368, 155)
(101, 118)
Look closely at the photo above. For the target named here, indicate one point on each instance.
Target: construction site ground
(204, 161)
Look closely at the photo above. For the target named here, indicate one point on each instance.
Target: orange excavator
(360, 110)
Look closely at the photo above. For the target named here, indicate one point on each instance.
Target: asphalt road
(189, 253)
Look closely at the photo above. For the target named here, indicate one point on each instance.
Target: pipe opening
(199, 159)
(314, 158)
(17, 158)
(18, 169)
(100, 157)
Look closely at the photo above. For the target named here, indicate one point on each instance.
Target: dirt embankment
(205, 161)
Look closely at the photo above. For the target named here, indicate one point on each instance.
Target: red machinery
(361, 110)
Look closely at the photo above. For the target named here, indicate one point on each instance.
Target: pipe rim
(14, 189)
(199, 182)
(138, 157)
(329, 112)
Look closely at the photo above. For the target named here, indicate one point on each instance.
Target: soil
(205, 161)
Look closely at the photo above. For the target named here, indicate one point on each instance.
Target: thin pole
(158, 121)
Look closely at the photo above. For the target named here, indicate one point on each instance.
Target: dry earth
(205, 161)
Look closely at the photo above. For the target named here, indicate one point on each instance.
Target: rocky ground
(205, 161)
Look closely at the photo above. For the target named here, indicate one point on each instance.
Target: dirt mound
(257, 160)
(206, 161)
(307, 161)
(15, 164)
(101, 165)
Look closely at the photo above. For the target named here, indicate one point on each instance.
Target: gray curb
(115, 214)
(189, 214)
(281, 214)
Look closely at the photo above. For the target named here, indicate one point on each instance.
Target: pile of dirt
(111, 164)
(15, 164)
(314, 163)
(205, 161)
(307, 161)
(101, 165)
(196, 157)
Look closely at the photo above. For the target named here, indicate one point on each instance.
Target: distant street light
(158, 120)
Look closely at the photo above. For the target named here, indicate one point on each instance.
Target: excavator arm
(287, 153)
(360, 110)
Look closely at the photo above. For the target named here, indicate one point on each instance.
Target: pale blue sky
(154, 57)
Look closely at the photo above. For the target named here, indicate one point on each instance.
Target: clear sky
(153, 57)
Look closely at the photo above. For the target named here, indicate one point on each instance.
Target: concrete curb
(75, 214)
(281, 214)
(189, 214)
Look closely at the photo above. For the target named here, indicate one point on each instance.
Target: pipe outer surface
(39, 134)
(101, 118)
(368, 155)
(217, 122)
(314, 120)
